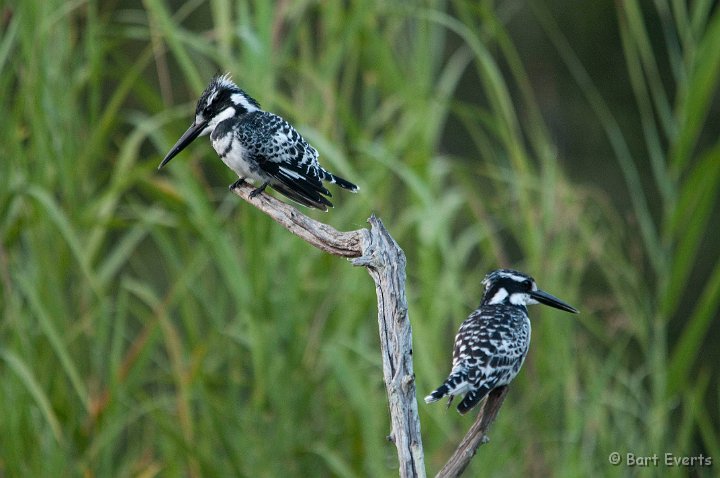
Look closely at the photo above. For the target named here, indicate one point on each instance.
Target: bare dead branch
(384, 260)
(476, 436)
(322, 236)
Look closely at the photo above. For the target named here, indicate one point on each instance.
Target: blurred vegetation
(154, 324)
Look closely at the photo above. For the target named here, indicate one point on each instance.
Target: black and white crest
(259, 146)
(492, 343)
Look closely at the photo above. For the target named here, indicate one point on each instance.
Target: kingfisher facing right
(258, 145)
(492, 343)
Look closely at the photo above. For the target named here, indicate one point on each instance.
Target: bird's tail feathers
(441, 391)
(343, 183)
(471, 399)
(457, 384)
(454, 385)
(304, 197)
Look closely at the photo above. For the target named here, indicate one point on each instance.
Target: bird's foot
(257, 191)
(236, 183)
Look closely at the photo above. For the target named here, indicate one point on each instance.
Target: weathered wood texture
(385, 262)
(378, 252)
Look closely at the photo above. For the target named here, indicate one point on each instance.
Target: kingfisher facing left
(259, 146)
(492, 343)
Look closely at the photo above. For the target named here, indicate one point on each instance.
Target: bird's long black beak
(547, 299)
(188, 136)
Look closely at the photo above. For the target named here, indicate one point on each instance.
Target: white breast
(233, 155)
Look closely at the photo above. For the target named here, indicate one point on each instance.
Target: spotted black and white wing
(274, 152)
(490, 348)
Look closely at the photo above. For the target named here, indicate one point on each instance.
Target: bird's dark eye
(527, 283)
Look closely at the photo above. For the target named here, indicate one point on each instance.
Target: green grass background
(153, 324)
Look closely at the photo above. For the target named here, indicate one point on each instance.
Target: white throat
(521, 298)
(227, 113)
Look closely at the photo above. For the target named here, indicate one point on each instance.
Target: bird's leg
(236, 183)
(257, 191)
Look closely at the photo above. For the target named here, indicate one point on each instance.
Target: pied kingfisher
(258, 146)
(491, 345)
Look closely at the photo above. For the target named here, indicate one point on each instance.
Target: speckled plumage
(492, 343)
(490, 348)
